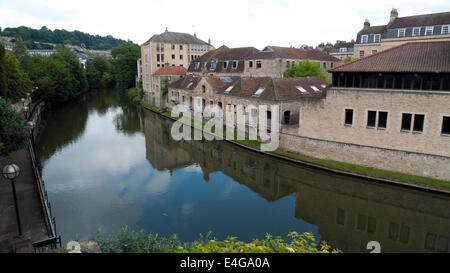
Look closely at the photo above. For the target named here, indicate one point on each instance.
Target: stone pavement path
(30, 209)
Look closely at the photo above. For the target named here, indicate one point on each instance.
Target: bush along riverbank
(129, 241)
(418, 182)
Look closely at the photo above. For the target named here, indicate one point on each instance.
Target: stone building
(229, 92)
(343, 49)
(272, 61)
(388, 111)
(169, 49)
(400, 30)
(162, 77)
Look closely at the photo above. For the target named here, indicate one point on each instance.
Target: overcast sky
(236, 23)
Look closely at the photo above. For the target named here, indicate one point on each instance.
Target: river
(108, 163)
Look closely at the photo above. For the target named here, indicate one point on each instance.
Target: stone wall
(384, 159)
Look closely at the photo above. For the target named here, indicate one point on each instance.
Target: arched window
(287, 117)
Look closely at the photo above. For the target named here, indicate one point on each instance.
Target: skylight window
(315, 88)
(323, 85)
(189, 85)
(226, 79)
(258, 92)
(229, 89)
(301, 89)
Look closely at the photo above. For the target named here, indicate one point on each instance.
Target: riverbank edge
(347, 172)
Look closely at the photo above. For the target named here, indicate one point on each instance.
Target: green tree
(125, 68)
(347, 59)
(14, 130)
(305, 68)
(17, 80)
(3, 86)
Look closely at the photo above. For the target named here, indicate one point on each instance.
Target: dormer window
(213, 65)
(377, 38)
(225, 64)
(197, 65)
(364, 39)
(235, 64)
(445, 29)
(429, 30)
(204, 65)
(343, 49)
(416, 31)
(401, 32)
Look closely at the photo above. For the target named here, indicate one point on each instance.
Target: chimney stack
(209, 41)
(195, 34)
(167, 29)
(394, 15)
(366, 24)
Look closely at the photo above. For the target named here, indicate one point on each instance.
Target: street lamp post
(10, 172)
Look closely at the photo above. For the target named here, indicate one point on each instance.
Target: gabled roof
(171, 70)
(442, 18)
(433, 57)
(228, 54)
(274, 89)
(175, 38)
(294, 53)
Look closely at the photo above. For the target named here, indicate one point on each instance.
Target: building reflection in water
(349, 212)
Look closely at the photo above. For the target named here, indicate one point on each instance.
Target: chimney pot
(366, 23)
(394, 15)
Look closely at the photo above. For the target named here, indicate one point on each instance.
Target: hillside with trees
(61, 36)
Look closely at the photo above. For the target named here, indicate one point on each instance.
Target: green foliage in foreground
(13, 130)
(128, 241)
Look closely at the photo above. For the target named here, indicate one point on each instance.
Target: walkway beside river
(30, 208)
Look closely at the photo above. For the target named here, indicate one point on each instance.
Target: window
(213, 65)
(429, 30)
(445, 125)
(445, 29)
(203, 88)
(225, 64)
(181, 57)
(301, 89)
(235, 64)
(382, 119)
(331, 65)
(348, 116)
(288, 64)
(374, 51)
(162, 57)
(250, 64)
(229, 89)
(377, 38)
(324, 65)
(204, 65)
(258, 64)
(371, 118)
(173, 46)
(401, 32)
(173, 56)
(364, 39)
(258, 92)
(315, 88)
(361, 53)
(197, 65)
(406, 122)
(416, 31)
(343, 49)
(418, 123)
(181, 47)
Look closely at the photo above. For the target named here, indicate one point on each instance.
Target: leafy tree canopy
(13, 130)
(305, 68)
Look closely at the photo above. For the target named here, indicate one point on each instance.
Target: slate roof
(171, 70)
(184, 82)
(442, 18)
(433, 57)
(175, 38)
(294, 53)
(275, 89)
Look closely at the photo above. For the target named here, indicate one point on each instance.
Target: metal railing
(54, 240)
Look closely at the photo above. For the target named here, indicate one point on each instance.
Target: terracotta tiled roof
(409, 57)
(442, 18)
(171, 70)
(295, 53)
(275, 89)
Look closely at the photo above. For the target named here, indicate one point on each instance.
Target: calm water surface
(109, 164)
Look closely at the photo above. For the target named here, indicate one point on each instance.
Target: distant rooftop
(171, 70)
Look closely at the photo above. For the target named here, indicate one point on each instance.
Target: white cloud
(234, 22)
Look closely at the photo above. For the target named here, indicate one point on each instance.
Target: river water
(108, 164)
